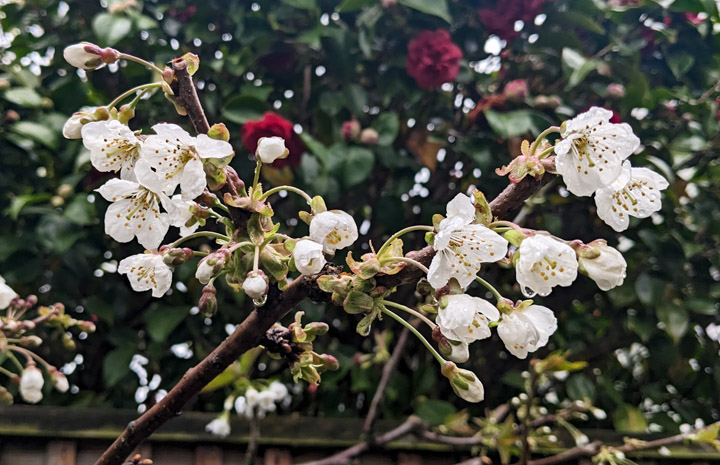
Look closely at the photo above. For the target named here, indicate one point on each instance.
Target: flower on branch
(6, 294)
(220, 426)
(178, 157)
(72, 129)
(135, 211)
(635, 193)
(255, 284)
(147, 271)
(270, 149)
(543, 263)
(603, 264)
(433, 59)
(184, 215)
(89, 56)
(272, 124)
(113, 147)
(464, 382)
(465, 319)
(462, 246)
(591, 153)
(526, 328)
(334, 229)
(308, 256)
(31, 384)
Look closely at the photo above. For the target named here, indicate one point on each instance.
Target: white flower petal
(334, 229)
(462, 207)
(465, 318)
(192, 181)
(526, 330)
(608, 269)
(147, 272)
(116, 189)
(207, 147)
(308, 256)
(7, 294)
(112, 145)
(544, 263)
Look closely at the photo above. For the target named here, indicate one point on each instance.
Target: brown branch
(248, 334)
(387, 372)
(570, 454)
(343, 457)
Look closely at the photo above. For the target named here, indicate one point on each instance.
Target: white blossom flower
(178, 157)
(603, 264)
(59, 380)
(308, 256)
(252, 397)
(465, 319)
(526, 329)
(147, 272)
(255, 284)
(334, 229)
(635, 193)
(219, 427)
(182, 214)
(241, 405)
(462, 246)
(31, 384)
(266, 401)
(72, 129)
(113, 147)
(592, 150)
(84, 55)
(545, 262)
(6, 294)
(270, 149)
(280, 391)
(465, 383)
(135, 211)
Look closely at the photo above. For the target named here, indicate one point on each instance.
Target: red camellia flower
(272, 124)
(433, 59)
(501, 19)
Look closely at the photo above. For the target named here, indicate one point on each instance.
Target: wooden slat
(208, 455)
(277, 457)
(409, 459)
(61, 453)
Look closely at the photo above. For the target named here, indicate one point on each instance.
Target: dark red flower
(501, 19)
(272, 124)
(433, 59)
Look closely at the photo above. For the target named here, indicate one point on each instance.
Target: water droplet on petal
(527, 292)
(260, 302)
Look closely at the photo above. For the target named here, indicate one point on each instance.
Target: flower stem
(509, 224)
(490, 288)
(256, 178)
(256, 258)
(14, 359)
(546, 152)
(401, 232)
(219, 236)
(300, 192)
(417, 334)
(404, 260)
(409, 310)
(541, 137)
(7, 372)
(128, 93)
(141, 61)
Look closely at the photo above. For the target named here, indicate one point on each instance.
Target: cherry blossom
(89, 56)
(31, 384)
(270, 149)
(255, 284)
(465, 383)
(545, 262)
(72, 129)
(334, 229)
(6, 294)
(465, 319)
(182, 213)
(135, 211)
(147, 271)
(526, 329)
(178, 157)
(113, 147)
(603, 264)
(635, 193)
(308, 256)
(592, 150)
(462, 246)
(220, 426)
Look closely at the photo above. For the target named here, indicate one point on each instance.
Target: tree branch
(248, 334)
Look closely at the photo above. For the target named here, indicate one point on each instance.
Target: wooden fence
(32, 435)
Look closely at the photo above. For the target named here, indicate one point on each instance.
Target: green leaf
(24, 97)
(675, 319)
(353, 5)
(21, 201)
(243, 108)
(302, 4)
(435, 411)
(702, 306)
(80, 211)
(387, 126)
(160, 320)
(437, 8)
(649, 289)
(57, 234)
(579, 387)
(358, 165)
(355, 98)
(37, 132)
(111, 29)
(116, 365)
(627, 418)
(515, 123)
(316, 148)
(680, 63)
(223, 379)
(576, 67)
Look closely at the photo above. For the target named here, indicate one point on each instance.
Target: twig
(252, 446)
(387, 372)
(343, 457)
(188, 98)
(526, 420)
(570, 454)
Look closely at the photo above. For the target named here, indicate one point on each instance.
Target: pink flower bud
(516, 90)
(350, 130)
(369, 136)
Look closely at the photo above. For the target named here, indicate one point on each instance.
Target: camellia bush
(261, 208)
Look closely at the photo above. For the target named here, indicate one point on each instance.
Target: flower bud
(31, 384)
(308, 256)
(5, 397)
(57, 201)
(270, 149)
(464, 382)
(516, 91)
(126, 113)
(603, 264)
(59, 380)
(176, 256)
(168, 75)
(329, 362)
(369, 136)
(30, 341)
(219, 131)
(208, 301)
(211, 265)
(545, 101)
(350, 130)
(87, 326)
(616, 90)
(68, 342)
(11, 116)
(255, 284)
(89, 56)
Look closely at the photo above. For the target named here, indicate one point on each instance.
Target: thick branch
(343, 457)
(251, 330)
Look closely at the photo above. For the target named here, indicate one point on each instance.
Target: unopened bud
(68, 342)
(59, 380)
(126, 113)
(168, 75)
(369, 136)
(211, 265)
(208, 301)
(256, 285)
(616, 90)
(464, 382)
(57, 201)
(350, 130)
(330, 362)
(65, 191)
(5, 397)
(30, 341)
(176, 256)
(87, 326)
(31, 300)
(516, 91)
(11, 116)
(219, 131)
(4, 84)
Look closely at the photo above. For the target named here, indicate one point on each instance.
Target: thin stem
(300, 192)
(409, 310)
(546, 152)
(130, 92)
(29, 355)
(236, 246)
(404, 260)
(509, 224)
(14, 359)
(401, 232)
(256, 259)
(141, 61)
(199, 254)
(417, 334)
(541, 137)
(219, 236)
(256, 178)
(7, 372)
(490, 288)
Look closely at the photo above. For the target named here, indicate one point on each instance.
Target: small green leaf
(627, 418)
(437, 8)
(24, 97)
(358, 165)
(387, 126)
(675, 319)
(515, 123)
(111, 29)
(37, 132)
(161, 321)
(116, 365)
(435, 411)
(353, 5)
(579, 387)
(243, 108)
